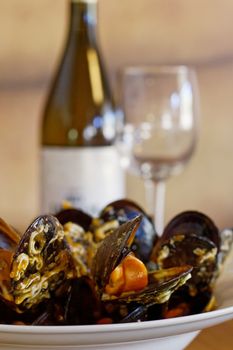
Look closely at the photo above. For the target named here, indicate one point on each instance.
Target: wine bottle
(79, 161)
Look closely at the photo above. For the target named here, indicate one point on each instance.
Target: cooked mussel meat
(161, 285)
(112, 250)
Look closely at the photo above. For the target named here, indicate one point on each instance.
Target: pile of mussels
(72, 269)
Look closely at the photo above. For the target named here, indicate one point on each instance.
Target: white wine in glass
(159, 132)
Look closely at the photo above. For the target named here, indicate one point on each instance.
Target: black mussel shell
(82, 305)
(52, 316)
(9, 237)
(139, 313)
(197, 251)
(42, 263)
(124, 313)
(145, 238)
(192, 222)
(7, 314)
(112, 250)
(76, 216)
(121, 312)
(51, 313)
(144, 313)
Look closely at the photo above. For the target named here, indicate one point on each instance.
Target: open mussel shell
(9, 237)
(112, 250)
(162, 284)
(189, 249)
(192, 222)
(42, 263)
(149, 303)
(145, 237)
(76, 216)
(182, 303)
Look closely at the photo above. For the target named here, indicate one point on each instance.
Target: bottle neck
(83, 16)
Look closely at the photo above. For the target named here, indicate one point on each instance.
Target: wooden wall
(197, 32)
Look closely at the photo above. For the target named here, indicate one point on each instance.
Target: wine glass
(159, 132)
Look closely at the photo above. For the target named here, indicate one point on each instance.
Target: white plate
(174, 334)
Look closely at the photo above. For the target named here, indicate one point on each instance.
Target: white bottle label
(89, 178)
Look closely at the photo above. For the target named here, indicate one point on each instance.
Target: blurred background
(195, 32)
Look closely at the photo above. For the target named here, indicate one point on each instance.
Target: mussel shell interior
(193, 250)
(193, 304)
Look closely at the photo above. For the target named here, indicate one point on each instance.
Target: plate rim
(69, 329)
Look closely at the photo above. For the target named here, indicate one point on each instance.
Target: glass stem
(155, 200)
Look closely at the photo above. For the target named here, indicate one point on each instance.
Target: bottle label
(89, 178)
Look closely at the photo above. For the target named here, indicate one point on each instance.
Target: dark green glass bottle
(79, 162)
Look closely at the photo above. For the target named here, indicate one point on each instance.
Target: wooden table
(215, 338)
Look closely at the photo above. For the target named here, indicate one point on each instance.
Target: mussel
(74, 269)
(198, 252)
(82, 304)
(193, 222)
(42, 263)
(119, 212)
(76, 216)
(122, 277)
(191, 238)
